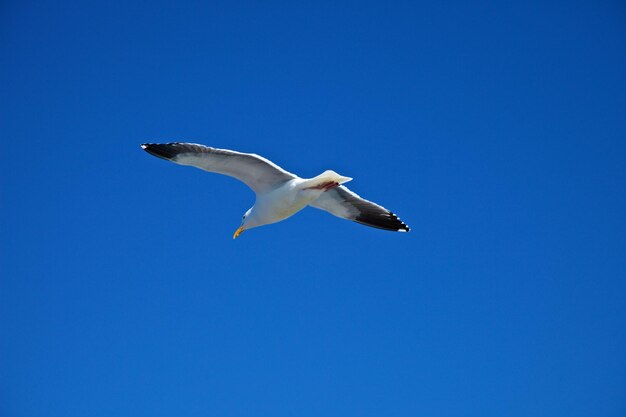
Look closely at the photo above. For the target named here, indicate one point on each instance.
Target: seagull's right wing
(255, 171)
(342, 202)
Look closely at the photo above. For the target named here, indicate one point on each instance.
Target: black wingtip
(385, 221)
(403, 226)
(161, 150)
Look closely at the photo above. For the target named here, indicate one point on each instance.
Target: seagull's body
(279, 194)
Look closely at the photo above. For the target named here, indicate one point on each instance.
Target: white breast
(284, 201)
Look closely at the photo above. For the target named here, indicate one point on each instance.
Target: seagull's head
(248, 221)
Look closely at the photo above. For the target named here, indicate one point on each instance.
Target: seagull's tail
(326, 180)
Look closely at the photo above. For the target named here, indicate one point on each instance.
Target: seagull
(279, 194)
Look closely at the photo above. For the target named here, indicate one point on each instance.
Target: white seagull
(279, 194)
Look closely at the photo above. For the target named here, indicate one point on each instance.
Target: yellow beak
(238, 232)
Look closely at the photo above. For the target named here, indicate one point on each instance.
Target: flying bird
(279, 194)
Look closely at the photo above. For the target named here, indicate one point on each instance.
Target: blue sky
(496, 131)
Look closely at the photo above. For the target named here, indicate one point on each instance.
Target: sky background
(496, 131)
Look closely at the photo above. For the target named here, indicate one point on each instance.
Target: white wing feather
(342, 202)
(256, 172)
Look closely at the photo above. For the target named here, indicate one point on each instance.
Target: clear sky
(496, 130)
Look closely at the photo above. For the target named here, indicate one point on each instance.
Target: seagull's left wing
(255, 171)
(342, 202)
